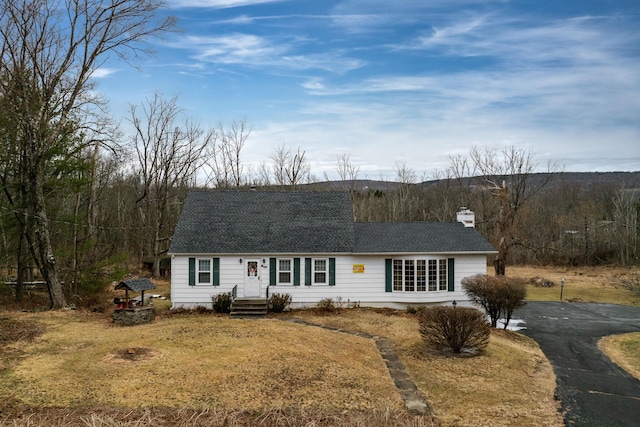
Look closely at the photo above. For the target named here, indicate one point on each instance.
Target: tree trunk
(48, 265)
(46, 261)
(21, 267)
(156, 253)
(500, 261)
(499, 266)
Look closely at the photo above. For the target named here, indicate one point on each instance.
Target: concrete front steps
(249, 307)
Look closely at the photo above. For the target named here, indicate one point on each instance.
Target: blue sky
(404, 82)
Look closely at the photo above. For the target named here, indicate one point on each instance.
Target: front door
(252, 278)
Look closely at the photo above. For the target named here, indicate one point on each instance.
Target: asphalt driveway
(593, 390)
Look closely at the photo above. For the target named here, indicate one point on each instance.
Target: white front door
(252, 278)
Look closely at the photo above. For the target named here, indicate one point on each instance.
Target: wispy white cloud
(361, 23)
(526, 40)
(233, 48)
(380, 15)
(102, 72)
(256, 51)
(313, 85)
(290, 20)
(217, 4)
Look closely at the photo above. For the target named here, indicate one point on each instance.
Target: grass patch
(213, 417)
(512, 383)
(181, 368)
(198, 361)
(624, 350)
(583, 284)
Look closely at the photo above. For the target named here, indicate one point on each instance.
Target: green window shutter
(296, 272)
(307, 271)
(450, 278)
(272, 272)
(332, 271)
(388, 275)
(192, 271)
(215, 262)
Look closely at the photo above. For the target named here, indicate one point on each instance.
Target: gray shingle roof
(418, 237)
(260, 222)
(136, 285)
(233, 221)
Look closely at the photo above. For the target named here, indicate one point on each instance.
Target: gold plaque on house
(358, 268)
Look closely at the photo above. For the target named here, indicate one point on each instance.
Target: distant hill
(581, 180)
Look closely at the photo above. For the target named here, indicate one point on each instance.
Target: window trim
(409, 275)
(443, 275)
(325, 271)
(419, 275)
(398, 281)
(200, 271)
(279, 270)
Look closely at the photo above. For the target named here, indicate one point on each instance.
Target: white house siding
(183, 295)
(366, 289)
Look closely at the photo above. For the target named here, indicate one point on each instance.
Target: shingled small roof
(287, 222)
(136, 285)
(418, 237)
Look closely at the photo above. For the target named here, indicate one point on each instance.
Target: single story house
(306, 243)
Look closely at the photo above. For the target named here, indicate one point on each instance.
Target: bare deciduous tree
(347, 171)
(625, 218)
(506, 176)
(225, 167)
(49, 51)
(290, 168)
(169, 154)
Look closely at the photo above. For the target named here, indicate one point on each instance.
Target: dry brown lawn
(211, 361)
(586, 284)
(624, 350)
(207, 367)
(512, 383)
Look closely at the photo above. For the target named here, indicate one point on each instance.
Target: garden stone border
(415, 403)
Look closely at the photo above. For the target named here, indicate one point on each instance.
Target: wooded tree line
(531, 218)
(83, 202)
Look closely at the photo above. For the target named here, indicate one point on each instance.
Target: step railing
(267, 298)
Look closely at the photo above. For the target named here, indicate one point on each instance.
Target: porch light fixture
(454, 303)
(240, 260)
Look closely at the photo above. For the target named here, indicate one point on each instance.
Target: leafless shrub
(497, 295)
(454, 327)
(221, 303)
(326, 305)
(629, 281)
(199, 309)
(280, 302)
(12, 330)
(541, 282)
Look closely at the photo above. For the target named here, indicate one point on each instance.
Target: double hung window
(284, 271)
(204, 271)
(320, 271)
